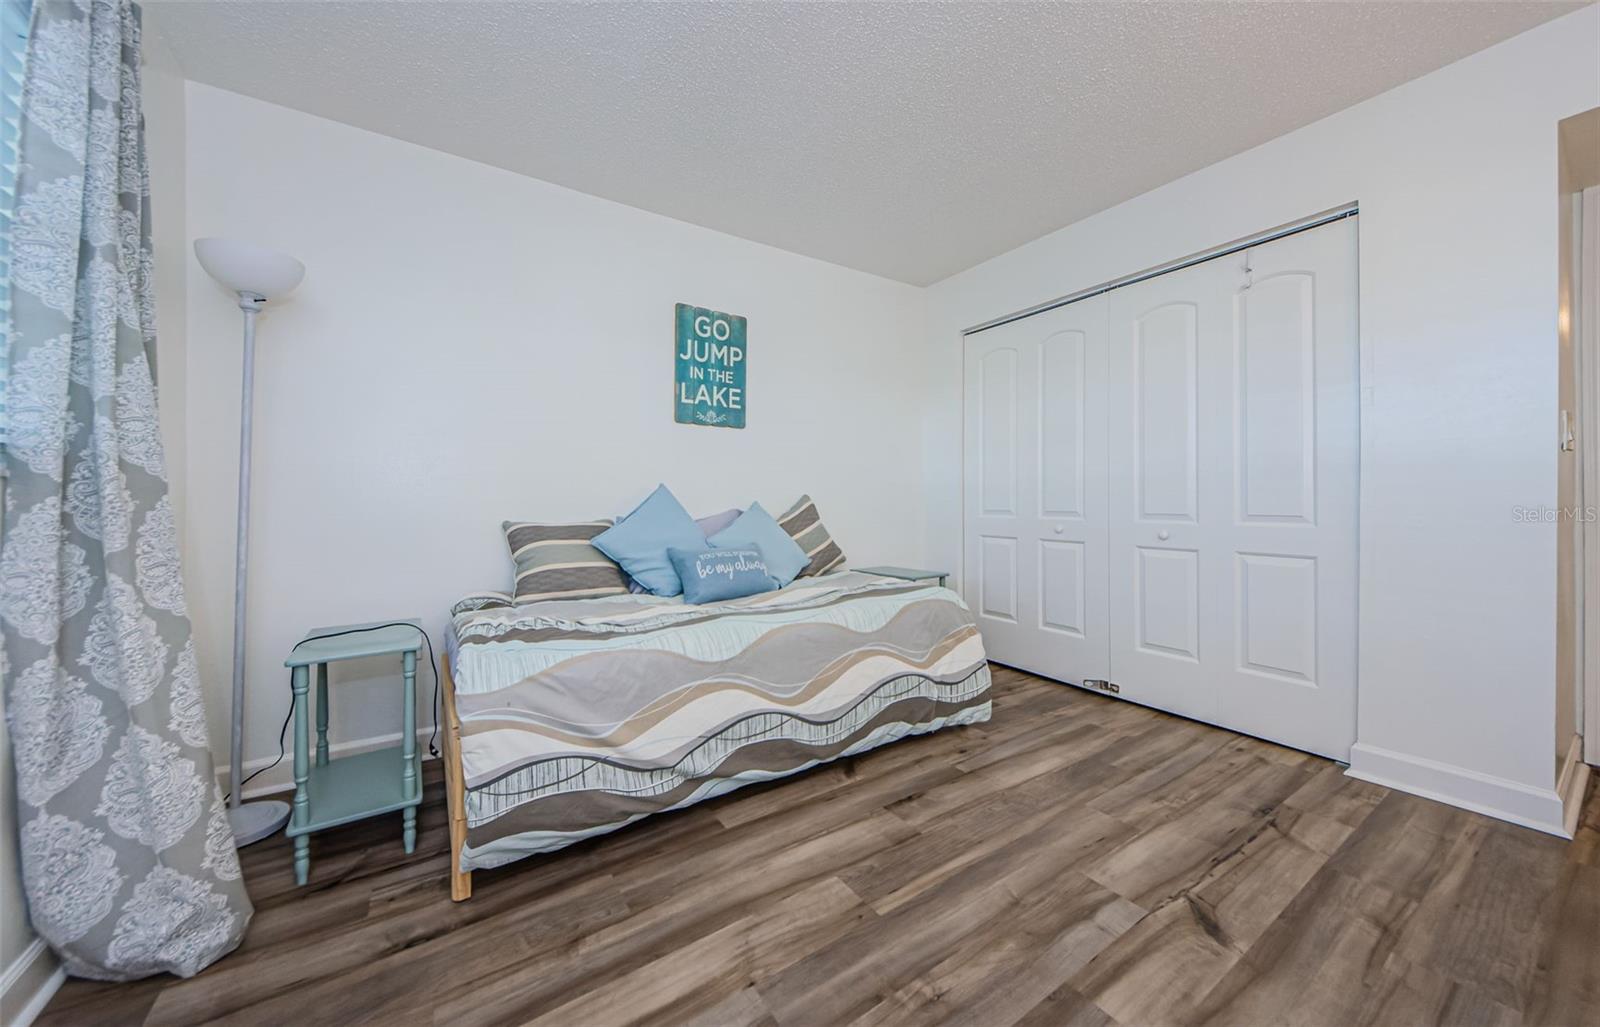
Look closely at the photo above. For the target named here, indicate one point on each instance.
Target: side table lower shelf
(355, 787)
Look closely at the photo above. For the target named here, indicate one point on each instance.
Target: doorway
(1577, 685)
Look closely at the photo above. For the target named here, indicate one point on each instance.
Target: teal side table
(333, 792)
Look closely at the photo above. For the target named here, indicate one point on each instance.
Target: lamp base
(254, 821)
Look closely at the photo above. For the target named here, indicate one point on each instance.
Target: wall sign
(708, 386)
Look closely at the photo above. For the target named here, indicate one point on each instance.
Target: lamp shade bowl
(245, 267)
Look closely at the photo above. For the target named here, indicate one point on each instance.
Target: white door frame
(1586, 347)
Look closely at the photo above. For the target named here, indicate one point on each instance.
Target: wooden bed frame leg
(455, 786)
(460, 885)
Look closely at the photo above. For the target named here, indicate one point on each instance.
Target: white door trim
(1571, 786)
(1586, 336)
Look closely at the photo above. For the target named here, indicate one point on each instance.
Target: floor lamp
(254, 274)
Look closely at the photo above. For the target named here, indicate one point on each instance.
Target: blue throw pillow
(710, 575)
(639, 542)
(755, 527)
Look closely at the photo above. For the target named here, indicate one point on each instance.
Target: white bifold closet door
(1172, 504)
(1036, 490)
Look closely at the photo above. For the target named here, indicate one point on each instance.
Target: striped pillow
(482, 601)
(557, 561)
(804, 525)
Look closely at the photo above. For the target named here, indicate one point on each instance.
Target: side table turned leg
(322, 714)
(302, 773)
(408, 750)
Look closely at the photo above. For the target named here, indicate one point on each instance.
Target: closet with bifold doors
(1160, 489)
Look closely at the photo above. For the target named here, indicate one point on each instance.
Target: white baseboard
(28, 984)
(1571, 784)
(1498, 797)
(281, 777)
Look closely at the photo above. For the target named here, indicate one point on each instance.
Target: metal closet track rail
(1348, 210)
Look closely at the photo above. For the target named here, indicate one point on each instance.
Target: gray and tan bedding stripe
(803, 524)
(580, 717)
(558, 561)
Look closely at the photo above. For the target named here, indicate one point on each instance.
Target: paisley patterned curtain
(128, 861)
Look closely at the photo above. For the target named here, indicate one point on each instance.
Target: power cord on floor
(283, 732)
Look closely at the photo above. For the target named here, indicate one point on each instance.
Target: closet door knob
(1163, 534)
(1058, 529)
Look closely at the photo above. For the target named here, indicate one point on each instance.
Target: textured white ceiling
(909, 140)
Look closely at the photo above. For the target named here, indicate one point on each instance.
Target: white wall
(472, 345)
(1454, 173)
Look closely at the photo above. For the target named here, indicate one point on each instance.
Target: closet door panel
(1165, 394)
(997, 578)
(1295, 409)
(1161, 490)
(1277, 410)
(1167, 602)
(1061, 587)
(1233, 490)
(997, 432)
(1277, 616)
(1035, 503)
(1062, 407)
(1164, 577)
(999, 415)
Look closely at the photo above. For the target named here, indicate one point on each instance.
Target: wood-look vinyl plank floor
(1076, 862)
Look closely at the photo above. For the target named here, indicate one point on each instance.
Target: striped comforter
(578, 717)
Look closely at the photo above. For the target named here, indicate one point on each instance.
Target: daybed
(566, 719)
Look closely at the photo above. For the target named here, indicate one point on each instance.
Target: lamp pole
(249, 303)
(252, 273)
